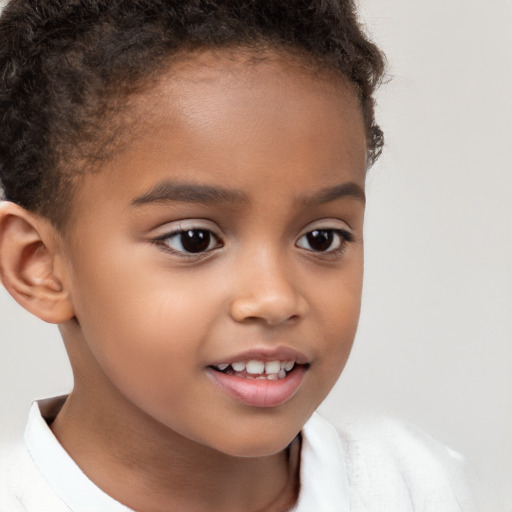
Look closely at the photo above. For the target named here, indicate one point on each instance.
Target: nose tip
(272, 303)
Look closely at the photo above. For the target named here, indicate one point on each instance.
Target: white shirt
(377, 467)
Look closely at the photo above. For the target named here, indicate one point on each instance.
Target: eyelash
(344, 238)
(163, 241)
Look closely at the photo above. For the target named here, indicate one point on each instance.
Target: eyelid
(340, 229)
(328, 224)
(169, 228)
(345, 236)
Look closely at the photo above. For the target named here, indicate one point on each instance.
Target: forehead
(238, 120)
(276, 87)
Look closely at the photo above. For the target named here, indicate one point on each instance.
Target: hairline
(124, 124)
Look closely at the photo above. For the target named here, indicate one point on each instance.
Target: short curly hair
(67, 68)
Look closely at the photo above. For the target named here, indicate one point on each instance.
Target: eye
(190, 241)
(325, 240)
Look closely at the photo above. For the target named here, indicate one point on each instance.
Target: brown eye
(324, 240)
(195, 240)
(320, 240)
(191, 241)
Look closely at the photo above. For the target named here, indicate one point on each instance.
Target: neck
(149, 468)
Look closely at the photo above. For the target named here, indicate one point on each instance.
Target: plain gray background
(435, 340)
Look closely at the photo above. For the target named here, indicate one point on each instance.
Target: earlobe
(27, 264)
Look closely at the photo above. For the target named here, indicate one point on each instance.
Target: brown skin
(144, 421)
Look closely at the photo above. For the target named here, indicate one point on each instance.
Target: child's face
(262, 167)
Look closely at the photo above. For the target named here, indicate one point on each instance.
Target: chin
(259, 442)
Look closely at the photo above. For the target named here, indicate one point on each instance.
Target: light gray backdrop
(435, 340)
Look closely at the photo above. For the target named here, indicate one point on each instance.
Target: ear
(28, 254)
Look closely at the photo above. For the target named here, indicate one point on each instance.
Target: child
(184, 188)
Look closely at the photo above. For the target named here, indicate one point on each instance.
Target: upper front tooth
(254, 367)
(239, 366)
(288, 365)
(222, 366)
(272, 367)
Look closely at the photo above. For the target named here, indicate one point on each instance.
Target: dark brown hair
(67, 68)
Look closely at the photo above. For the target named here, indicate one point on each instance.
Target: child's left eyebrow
(328, 194)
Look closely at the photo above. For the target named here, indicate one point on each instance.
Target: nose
(267, 293)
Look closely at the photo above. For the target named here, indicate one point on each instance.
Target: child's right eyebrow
(169, 191)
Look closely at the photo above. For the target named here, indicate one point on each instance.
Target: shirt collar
(323, 471)
(324, 481)
(66, 478)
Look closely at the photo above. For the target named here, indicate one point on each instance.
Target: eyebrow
(328, 194)
(189, 192)
(168, 191)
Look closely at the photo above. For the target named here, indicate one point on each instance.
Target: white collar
(323, 475)
(66, 478)
(323, 472)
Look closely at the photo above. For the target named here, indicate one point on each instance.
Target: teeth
(272, 367)
(271, 370)
(255, 367)
(238, 366)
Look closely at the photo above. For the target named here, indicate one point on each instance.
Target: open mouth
(258, 382)
(254, 369)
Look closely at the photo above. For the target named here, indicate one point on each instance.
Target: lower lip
(259, 392)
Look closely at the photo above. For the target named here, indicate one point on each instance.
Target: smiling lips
(260, 383)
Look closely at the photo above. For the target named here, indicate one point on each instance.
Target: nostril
(272, 310)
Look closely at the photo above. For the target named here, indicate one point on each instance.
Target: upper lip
(280, 353)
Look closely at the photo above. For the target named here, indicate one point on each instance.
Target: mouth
(268, 381)
(257, 369)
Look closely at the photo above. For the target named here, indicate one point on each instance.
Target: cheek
(139, 320)
(338, 297)
(149, 330)
(340, 309)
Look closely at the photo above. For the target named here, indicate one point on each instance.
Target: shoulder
(392, 465)
(397, 461)
(22, 487)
